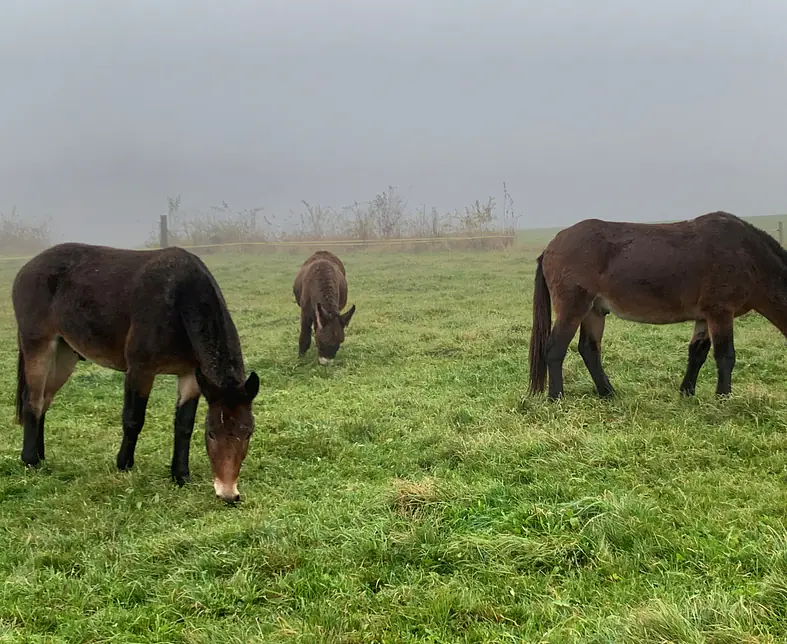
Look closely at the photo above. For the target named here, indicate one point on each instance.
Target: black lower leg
(134, 407)
(305, 339)
(31, 452)
(557, 346)
(591, 355)
(724, 352)
(698, 353)
(41, 436)
(185, 415)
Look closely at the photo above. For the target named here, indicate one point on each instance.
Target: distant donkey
(708, 270)
(320, 289)
(144, 313)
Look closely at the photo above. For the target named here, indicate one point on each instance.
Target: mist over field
(612, 109)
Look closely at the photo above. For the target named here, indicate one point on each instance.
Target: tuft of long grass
(412, 491)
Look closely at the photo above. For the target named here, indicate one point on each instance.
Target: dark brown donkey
(144, 313)
(709, 270)
(320, 289)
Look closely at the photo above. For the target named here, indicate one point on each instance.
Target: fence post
(163, 234)
(781, 233)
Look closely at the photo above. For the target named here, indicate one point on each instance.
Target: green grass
(411, 492)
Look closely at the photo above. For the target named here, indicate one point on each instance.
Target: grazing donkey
(709, 270)
(144, 313)
(320, 289)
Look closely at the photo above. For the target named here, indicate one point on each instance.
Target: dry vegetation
(18, 237)
(385, 223)
(386, 218)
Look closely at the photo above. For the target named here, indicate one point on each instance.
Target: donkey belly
(108, 356)
(98, 337)
(646, 311)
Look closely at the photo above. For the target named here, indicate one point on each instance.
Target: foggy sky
(613, 108)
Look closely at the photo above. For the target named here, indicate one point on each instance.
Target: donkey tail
(21, 384)
(542, 324)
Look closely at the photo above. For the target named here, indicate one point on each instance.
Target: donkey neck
(213, 335)
(774, 300)
(219, 353)
(328, 305)
(327, 292)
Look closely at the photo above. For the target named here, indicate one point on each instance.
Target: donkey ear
(252, 386)
(321, 317)
(347, 316)
(211, 392)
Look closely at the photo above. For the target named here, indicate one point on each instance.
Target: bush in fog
(221, 225)
(385, 217)
(18, 237)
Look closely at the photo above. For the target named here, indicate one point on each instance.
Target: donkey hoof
(31, 462)
(124, 463)
(181, 479)
(687, 388)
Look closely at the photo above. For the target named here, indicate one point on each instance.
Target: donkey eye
(211, 435)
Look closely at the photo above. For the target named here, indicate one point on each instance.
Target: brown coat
(320, 290)
(708, 270)
(144, 313)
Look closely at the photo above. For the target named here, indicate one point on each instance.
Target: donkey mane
(211, 331)
(768, 239)
(327, 294)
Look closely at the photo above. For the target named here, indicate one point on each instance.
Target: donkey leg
(61, 368)
(185, 415)
(40, 443)
(557, 347)
(571, 305)
(39, 356)
(305, 339)
(135, 402)
(720, 328)
(698, 353)
(591, 331)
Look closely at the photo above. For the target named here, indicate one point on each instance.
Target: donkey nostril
(236, 498)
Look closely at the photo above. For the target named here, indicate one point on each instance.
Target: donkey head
(330, 332)
(229, 424)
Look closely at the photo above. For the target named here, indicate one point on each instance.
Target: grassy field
(412, 491)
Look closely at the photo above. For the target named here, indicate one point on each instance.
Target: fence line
(324, 242)
(352, 242)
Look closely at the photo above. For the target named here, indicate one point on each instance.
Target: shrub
(19, 237)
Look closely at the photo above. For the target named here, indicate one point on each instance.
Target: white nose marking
(225, 491)
(324, 361)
